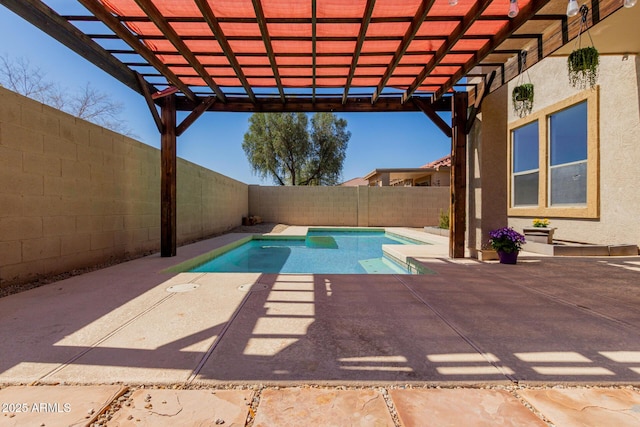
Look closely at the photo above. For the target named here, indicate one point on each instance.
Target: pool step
(380, 266)
(324, 242)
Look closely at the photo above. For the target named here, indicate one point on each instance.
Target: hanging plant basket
(522, 97)
(583, 67)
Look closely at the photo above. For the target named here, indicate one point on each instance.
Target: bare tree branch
(88, 103)
(22, 77)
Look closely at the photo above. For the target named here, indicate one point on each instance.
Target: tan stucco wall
(73, 194)
(619, 143)
(487, 171)
(350, 206)
(441, 178)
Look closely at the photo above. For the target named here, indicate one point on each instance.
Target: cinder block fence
(73, 195)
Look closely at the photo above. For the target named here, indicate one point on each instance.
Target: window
(554, 160)
(568, 156)
(525, 165)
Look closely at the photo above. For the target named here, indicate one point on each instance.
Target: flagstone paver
(164, 407)
(461, 407)
(313, 407)
(586, 407)
(53, 406)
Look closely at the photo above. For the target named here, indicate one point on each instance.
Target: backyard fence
(74, 195)
(350, 206)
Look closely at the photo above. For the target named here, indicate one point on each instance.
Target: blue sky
(378, 140)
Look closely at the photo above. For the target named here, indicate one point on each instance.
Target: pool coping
(410, 263)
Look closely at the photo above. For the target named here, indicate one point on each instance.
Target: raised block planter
(623, 250)
(539, 234)
(487, 255)
(580, 249)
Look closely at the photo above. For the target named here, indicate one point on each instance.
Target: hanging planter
(583, 67)
(583, 62)
(522, 94)
(522, 97)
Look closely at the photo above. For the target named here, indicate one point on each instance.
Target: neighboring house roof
(437, 164)
(399, 172)
(434, 166)
(355, 182)
(402, 173)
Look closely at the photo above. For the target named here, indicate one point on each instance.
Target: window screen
(568, 156)
(525, 165)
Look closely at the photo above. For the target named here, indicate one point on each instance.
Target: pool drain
(252, 287)
(184, 287)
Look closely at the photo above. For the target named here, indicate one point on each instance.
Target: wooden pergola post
(168, 160)
(457, 218)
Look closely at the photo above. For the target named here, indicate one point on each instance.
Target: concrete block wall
(208, 202)
(407, 206)
(73, 194)
(305, 205)
(350, 206)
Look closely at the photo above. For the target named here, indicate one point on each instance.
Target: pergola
(313, 55)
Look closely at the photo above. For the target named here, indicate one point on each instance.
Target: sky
(214, 141)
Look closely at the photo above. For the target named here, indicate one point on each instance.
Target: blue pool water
(329, 252)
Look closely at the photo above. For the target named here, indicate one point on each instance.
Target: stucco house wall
(619, 153)
(487, 171)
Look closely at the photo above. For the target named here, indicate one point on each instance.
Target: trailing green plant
(444, 220)
(583, 64)
(522, 94)
(522, 97)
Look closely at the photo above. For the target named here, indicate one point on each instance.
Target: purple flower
(506, 239)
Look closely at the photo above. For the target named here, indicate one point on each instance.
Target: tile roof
(437, 164)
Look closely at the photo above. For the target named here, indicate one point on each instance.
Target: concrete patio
(507, 333)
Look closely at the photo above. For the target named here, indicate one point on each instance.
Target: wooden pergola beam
(224, 44)
(152, 106)
(277, 20)
(47, 20)
(152, 12)
(302, 55)
(417, 20)
(428, 110)
(168, 179)
(468, 20)
(360, 41)
(458, 185)
(484, 91)
(293, 38)
(114, 24)
(321, 104)
(266, 38)
(195, 114)
(314, 50)
(525, 14)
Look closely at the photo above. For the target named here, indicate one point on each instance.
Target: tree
(87, 103)
(280, 146)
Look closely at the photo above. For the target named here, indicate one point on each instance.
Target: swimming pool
(320, 251)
